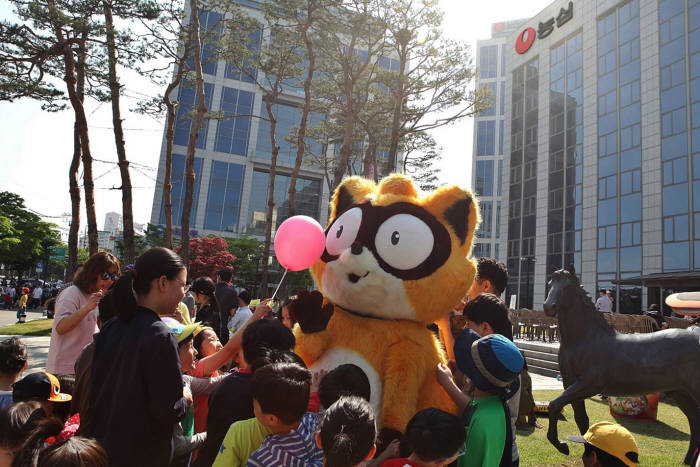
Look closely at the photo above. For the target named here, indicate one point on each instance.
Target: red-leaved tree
(207, 256)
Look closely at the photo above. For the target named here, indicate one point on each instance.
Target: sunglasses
(106, 275)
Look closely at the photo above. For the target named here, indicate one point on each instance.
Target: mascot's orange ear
(352, 190)
(459, 210)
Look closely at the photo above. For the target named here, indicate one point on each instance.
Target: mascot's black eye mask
(406, 240)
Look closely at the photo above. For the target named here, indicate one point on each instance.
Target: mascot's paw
(310, 312)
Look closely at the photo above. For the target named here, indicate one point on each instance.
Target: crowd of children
(155, 386)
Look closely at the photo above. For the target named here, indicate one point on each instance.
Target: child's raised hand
(392, 450)
(444, 375)
(316, 379)
(263, 309)
(187, 394)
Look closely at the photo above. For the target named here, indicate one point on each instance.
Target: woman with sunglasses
(75, 320)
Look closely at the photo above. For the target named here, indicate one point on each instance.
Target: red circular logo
(525, 40)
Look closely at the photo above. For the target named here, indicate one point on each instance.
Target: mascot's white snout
(357, 283)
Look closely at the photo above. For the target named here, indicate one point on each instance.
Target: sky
(36, 147)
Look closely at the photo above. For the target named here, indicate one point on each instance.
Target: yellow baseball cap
(612, 438)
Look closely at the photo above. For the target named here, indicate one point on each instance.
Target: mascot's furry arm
(393, 263)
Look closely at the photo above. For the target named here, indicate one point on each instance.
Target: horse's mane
(586, 301)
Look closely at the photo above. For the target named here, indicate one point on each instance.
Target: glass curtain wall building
(232, 158)
(487, 163)
(603, 138)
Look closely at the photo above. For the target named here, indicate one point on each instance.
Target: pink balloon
(299, 242)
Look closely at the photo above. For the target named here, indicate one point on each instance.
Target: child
(347, 432)
(212, 357)
(435, 437)
(14, 429)
(13, 362)
(608, 445)
(280, 396)
(231, 401)
(22, 307)
(42, 387)
(487, 314)
(244, 437)
(185, 440)
(491, 363)
(50, 445)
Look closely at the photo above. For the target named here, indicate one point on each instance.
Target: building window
(308, 196)
(484, 178)
(488, 61)
(232, 132)
(485, 138)
(493, 99)
(177, 194)
(288, 118)
(485, 230)
(249, 73)
(224, 197)
(210, 28)
(187, 102)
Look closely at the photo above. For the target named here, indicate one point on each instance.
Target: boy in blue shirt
(280, 396)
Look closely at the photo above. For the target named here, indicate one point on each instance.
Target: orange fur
(402, 352)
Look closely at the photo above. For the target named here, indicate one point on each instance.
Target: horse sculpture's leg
(690, 408)
(580, 415)
(576, 392)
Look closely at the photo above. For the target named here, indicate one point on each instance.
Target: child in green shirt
(492, 363)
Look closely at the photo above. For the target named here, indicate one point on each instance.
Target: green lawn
(661, 443)
(37, 327)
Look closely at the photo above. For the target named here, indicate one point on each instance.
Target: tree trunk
(167, 182)
(81, 122)
(74, 166)
(196, 124)
(169, 135)
(75, 205)
(127, 211)
(269, 100)
(369, 166)
(301, 136)
(398, 111)
(349, 130)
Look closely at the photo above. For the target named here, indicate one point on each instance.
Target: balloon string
(280, 284)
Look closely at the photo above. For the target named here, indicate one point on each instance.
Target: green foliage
(248, 252)
(420, 155)
(299, 280)
(24, 238)
(36, 327)
(83, 255)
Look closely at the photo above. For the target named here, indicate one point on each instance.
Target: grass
(37, 327)
(661, 443)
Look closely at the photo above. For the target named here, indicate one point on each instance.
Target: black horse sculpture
(595, 359)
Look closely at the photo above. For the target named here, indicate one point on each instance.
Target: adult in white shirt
(603, 304)
(36, 296)
(242, 313)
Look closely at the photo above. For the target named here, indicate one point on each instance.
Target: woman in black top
(136, 392)
(207, 306)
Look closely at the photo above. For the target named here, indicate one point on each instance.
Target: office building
(602, 149)
(487, 163)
